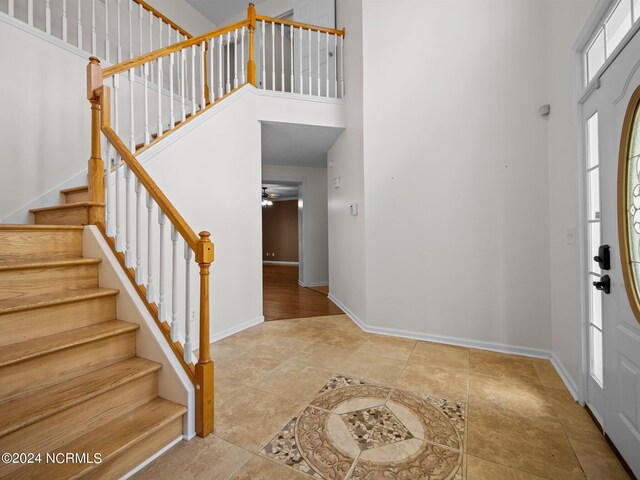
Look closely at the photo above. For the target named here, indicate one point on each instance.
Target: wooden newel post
(95, 177)
(204, 367)
(251, 64)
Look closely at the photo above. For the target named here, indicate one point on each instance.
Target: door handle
(604, 284)
(604, 257)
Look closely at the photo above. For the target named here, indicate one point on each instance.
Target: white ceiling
(292, 144)
(218, 11)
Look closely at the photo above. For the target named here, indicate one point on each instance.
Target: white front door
(614, 379)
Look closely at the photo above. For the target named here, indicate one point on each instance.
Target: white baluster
(300, 66)
(106, 30)
(116, 127)
(327, 65)
(172, 118)
(130, 29)
(119, 32)
(79, 23)
(94, 38)
(150, 43)
(203, 102)
(132, 133)
(11, 9)
(128, 255)
(188, 347)
(162, 314)
(145, 76)
(235, 59)
(139, 274)
(182, 82)
(160, 129)
(243, 64)
(282, 58)
(335, 65)
(228, 62)
(64, 20)
(220, 87)
(193, 80)
(341, 66)
(150, 292)
(310, 79)
(118, 232)
(174, 285)
(30, 12)
(212, 80)
(292, 33)
(264, 63)
(273, 56)
(319, 84)
(140, 10)
(47, 17)
(108, 165)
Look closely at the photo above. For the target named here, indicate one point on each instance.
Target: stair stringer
(173, 382)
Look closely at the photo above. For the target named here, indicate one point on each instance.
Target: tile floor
(319, 398)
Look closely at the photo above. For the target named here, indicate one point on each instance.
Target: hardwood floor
(284, 298)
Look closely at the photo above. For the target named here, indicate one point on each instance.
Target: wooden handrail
(306, 26)
(163, 52)
(149, 8)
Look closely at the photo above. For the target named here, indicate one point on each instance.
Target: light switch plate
(336, 182)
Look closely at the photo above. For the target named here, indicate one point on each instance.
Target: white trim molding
(277, 262)
(236, 328)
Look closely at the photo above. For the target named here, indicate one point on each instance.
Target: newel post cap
(204, 252)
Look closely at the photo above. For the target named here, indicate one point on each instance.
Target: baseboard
(315, 284)
(276, 262)
(151, 458)
(236, 328)
(464, 342)
(564, 375)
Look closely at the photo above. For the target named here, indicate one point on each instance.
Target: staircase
(71, 380)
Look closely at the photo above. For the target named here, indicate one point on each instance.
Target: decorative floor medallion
(356, 430)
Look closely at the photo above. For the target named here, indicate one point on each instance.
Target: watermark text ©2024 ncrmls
(52, 457)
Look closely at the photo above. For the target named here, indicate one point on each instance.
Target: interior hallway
(319, 398)
(284, 298)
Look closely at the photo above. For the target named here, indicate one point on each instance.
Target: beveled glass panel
(595, 55)
(634, 145)
(596, 354)
(594, 194)
(592, 141)
(618, 24)
(594, 243)
(595, 311)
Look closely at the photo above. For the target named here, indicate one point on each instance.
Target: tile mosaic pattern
(374, 427)
(426, 443)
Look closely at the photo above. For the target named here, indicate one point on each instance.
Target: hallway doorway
(284, 298)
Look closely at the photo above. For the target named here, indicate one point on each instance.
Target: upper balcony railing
(113, 30)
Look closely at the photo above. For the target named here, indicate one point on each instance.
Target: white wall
(184, 15)
(44, 119)
(347, 275)
(314, 217)
(564, 22)
(213, 177)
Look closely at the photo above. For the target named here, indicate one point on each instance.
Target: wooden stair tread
(54, 298)
(67, 206)
(19, 352)
(20, 226)
(23, 411)
(14, 263)
(80, 188)
(110, 440)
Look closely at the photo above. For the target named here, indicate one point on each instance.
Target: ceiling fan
(267, 197)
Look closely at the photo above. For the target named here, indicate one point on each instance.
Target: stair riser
(75, 197)
(33, 243)
(67, 216)
(30, 375)
(52, 433)
(30, 324)
(37, 281)
(138, 453)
